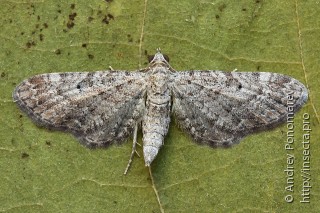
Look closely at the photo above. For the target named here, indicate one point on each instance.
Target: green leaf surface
(45, 171)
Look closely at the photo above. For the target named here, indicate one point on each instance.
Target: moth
(215, 108)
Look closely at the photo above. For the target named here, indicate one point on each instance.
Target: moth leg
(138, 144)
(136, 149)
(135, 131)
(137, 152)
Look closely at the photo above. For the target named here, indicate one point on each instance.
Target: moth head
(158, 58)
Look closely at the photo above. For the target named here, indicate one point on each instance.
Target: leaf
(45, 171)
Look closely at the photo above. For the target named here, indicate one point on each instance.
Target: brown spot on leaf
(110, 16)
(24, 155)
(29, 44)
(57, 52)
(72, 16)
(222, 7)
(129, 38)
(107, 18)
(150, 57)
(70, 24)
